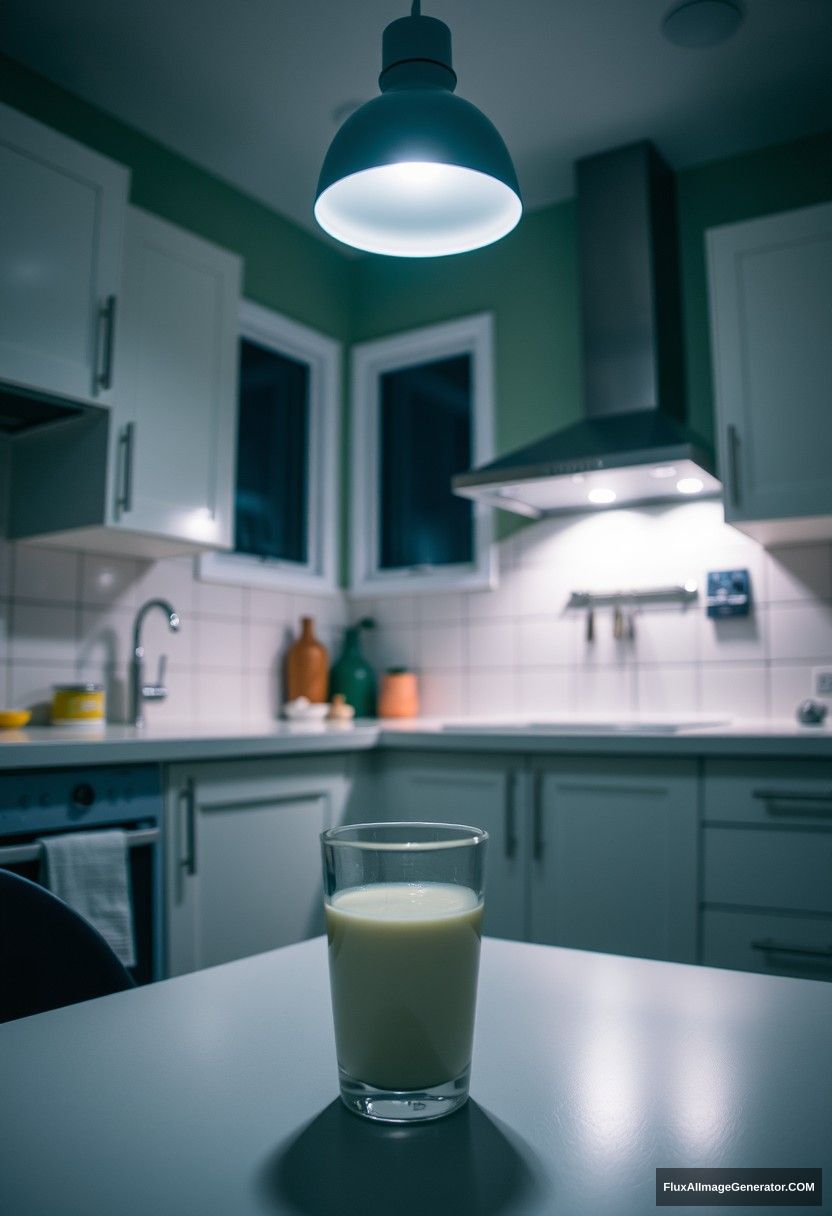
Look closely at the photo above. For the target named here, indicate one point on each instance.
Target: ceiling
(248, 89)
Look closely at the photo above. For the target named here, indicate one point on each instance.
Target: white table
(215, 1094)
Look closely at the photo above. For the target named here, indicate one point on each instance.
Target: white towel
(88, 870)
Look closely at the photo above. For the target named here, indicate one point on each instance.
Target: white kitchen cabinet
(770, 285)
(243, 854)
(61, 216)
(767, 866)
(614, 856)
(481, 791)
(154, 475)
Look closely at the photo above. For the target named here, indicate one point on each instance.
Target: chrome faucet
(139, 691)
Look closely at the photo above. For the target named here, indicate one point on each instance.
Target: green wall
(286, 267)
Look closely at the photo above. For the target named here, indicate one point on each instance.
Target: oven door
(24, 855)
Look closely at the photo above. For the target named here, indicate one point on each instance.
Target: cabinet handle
(510, 847)
(124, 501)
(813, 796)
(107, 318)
(768, 945)
(733, 464)
(537, 817)
(187, 796)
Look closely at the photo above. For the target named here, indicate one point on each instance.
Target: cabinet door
(174, 434)
(771, 323)
(614, 857)
(61, 216)
(480, 791)
(244, 860)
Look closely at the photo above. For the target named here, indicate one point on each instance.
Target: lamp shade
(417, 171)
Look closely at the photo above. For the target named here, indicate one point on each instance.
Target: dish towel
(88, 871)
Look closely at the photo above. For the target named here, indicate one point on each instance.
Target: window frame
(473, 336)
(323, 355)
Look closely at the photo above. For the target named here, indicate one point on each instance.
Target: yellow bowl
(12, 719)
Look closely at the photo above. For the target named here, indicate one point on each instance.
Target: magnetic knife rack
(679, 594)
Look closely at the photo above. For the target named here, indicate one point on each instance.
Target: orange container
(399, 695)
(307, 666)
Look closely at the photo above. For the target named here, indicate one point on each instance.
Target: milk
(403, 962)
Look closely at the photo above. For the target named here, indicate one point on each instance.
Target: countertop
(45, 746)
(215, 1093)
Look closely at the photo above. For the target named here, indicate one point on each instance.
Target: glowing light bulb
(601, 496)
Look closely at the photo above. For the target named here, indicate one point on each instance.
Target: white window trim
(318, 575)
(471, 335)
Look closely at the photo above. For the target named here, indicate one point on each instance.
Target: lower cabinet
(596, 854)
(243, 854)
(767, 866)
(483, 792)
(614, 856)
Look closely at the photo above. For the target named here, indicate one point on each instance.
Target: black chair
(49, 955)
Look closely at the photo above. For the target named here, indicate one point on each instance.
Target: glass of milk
(403, 904)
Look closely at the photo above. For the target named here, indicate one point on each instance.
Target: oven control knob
(83, 796)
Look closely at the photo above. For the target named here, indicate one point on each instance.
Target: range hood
(632, 445)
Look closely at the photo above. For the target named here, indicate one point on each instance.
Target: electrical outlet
(822, 682)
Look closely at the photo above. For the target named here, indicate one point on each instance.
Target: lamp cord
(416, 8)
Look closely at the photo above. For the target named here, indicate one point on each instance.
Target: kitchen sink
(578, 726)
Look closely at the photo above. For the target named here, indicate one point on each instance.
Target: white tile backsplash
(492, 692)
(550, 692)
(109, 581)
(510, 650)
(441, 646)
(789, 685)
(734, 690)
(49, 575)
(43, 633)
(801, 631)
(667, 689)
(491, 644)
(219, 643)
(800, 573)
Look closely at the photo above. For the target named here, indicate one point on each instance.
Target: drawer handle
(813, 796)
(511, 827)
(537, 818)
(187, 797)
(768, 946)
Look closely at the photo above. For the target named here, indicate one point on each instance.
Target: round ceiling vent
(701, 23)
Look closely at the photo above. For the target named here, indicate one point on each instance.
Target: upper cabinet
(771, 331)
(154, 475)
(171, 469)
(61, 218)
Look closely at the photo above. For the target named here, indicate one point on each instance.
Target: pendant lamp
(417, 172)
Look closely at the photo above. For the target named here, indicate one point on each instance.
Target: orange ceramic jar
(399, 695)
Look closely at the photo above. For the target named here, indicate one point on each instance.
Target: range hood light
(417, 172)
(690, 485)
(601, 496)
(663, 470)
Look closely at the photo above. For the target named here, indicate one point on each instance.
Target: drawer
(767, 942)
(769, 869)
(768, 791)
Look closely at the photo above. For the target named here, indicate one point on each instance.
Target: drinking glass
(403, 905)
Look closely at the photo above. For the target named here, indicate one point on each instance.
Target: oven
(45, 802)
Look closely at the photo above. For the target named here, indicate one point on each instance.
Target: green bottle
(353, 676)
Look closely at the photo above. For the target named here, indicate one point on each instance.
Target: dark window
(425, 433)
(270, 510)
